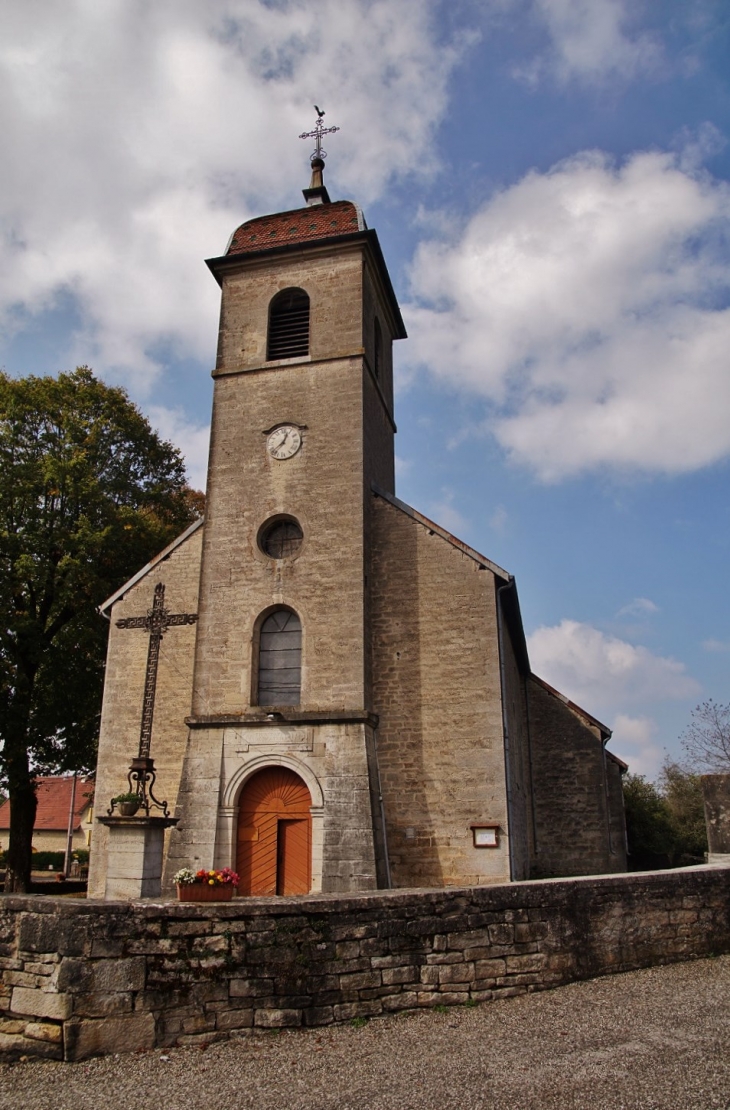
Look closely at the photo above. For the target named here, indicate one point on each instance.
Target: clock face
(284, 441)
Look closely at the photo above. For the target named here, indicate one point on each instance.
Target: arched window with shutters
(280, 659)
(378, 346)
(288, 325)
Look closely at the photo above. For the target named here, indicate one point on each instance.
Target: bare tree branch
(706, 740)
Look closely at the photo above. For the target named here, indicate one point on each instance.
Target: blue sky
(549, 181)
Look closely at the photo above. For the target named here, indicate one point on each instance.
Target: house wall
(436, 690)
(53, 840)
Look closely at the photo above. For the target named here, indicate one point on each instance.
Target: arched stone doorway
(274, 851)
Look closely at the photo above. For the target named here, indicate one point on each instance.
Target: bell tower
(302, 428)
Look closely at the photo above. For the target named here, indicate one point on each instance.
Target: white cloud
(137, 136)
(639, 607)
(634, 741)
(192, 439)
(603, 673)
(590, 41)
(587, 305)
(716, 645)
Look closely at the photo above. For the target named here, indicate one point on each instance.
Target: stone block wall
(436, 690)
(79, 979)
(574, 785)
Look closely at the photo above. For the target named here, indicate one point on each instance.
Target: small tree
(665, 822)
(88, 494)
(706, 740)
(648, 826)
(682, 794)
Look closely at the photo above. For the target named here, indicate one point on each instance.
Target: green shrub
(42, 860)
(665, 824)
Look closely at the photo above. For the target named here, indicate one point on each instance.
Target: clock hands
(283, 442)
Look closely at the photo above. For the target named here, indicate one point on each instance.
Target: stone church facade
(349, 702)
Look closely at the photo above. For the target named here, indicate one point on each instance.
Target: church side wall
(617, 814)
(570, 793)
(436, 689)
(519, 759)
(124, 686)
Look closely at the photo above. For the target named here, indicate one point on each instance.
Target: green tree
(648, 826)
(682, 793)
(88, 494)
(665, 822)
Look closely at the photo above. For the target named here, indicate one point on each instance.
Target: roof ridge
(302, 208)
(309, 224)
(608, 733)
(471, 552)
(150, 566)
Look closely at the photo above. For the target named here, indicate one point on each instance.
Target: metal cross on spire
(319, 131)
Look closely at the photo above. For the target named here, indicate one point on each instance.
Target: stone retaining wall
(83, 978)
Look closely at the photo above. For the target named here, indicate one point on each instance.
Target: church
(334, 692)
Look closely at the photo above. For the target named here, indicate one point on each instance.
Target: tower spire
(317, 192)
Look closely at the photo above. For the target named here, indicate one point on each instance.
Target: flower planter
(203, 892)
(128, 809)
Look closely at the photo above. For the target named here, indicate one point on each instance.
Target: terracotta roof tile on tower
(302, 225)
(54, 799)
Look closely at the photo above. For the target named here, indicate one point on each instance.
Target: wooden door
(274, 834)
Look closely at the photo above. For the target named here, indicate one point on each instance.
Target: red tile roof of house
(54, 800)
(302, 225)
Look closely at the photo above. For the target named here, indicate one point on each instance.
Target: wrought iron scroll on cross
(319, 131)
(158, 619)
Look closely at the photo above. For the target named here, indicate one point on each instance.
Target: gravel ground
(651, 1039)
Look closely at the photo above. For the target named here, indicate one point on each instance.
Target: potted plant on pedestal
(205, 886)
(128, 803)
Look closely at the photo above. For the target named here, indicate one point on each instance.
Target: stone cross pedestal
(716, 796)
(134, 868)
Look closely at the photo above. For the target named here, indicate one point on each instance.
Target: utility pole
(70, 836)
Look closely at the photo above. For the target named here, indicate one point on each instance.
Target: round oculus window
(281, 539)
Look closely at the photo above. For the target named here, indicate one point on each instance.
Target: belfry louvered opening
(288, 325)
(280, 659)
